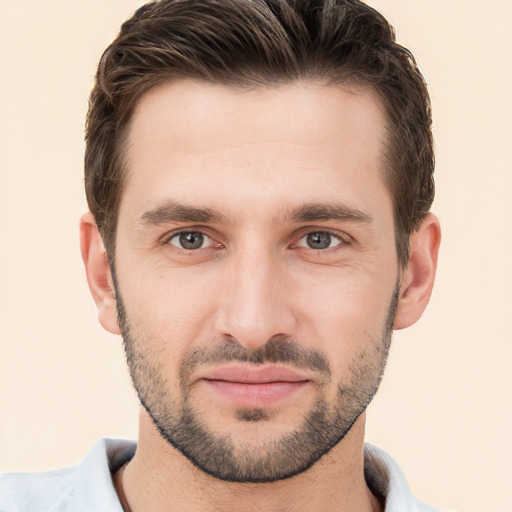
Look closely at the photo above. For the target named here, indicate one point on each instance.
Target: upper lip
(250, 375)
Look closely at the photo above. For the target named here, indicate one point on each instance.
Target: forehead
(302, 139)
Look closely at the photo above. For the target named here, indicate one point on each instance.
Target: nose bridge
(255, 306)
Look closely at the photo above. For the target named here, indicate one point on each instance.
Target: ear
(417, 279)
(98, 273)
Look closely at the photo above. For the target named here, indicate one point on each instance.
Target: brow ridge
(176, 212)
(172, 211)
(314, 212)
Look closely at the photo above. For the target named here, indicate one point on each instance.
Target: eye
(320, 240)
(190, 240)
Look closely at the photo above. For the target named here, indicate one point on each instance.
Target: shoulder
(84, 487)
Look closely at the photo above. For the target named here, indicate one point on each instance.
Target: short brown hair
(251, 43)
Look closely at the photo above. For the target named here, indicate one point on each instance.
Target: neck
(160, 478)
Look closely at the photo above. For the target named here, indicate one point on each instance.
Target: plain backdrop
(444, 409)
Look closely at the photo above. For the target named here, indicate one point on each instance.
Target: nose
(255, 301)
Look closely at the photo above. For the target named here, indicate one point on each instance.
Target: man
(259, 177)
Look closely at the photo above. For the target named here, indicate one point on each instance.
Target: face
(256, 271)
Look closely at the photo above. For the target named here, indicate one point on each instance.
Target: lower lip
(255, 395)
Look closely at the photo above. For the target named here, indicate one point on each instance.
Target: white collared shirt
(88, 487)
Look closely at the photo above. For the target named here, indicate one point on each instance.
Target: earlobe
(418, 278)
(98, 273)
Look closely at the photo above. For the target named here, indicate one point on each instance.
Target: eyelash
(167, 240)
(343, 240)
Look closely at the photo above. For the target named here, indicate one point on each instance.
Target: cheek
(168, 311)
(346, 312)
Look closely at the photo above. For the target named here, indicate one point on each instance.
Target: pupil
(319, 240)
(192, 240)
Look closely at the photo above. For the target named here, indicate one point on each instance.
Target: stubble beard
(323, 427)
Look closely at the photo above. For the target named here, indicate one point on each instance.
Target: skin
(256, 158)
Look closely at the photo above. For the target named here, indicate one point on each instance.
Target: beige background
(444, 410)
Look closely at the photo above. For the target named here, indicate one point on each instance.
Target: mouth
(244, 386)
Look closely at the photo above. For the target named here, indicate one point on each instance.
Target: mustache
(278, 349)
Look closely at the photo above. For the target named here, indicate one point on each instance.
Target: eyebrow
(176, 212)
(314, 212)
